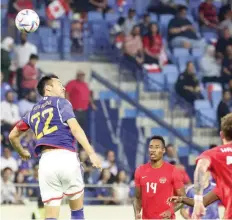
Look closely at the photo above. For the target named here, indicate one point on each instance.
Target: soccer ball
(27, 21)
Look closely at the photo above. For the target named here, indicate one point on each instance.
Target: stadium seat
(171, 74)
(94, 16)
(197, 52)
(206, 118)
(216, 97)
(209, 36)
(180, 2)
(111, 18)
(202, 104)
(182, 62)
(154, 17)
(155, 82)
(163, 24)
(159, 131)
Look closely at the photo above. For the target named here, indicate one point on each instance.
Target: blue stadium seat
(181, 52)
(216, 98)
(111, 3)
(163, 24)
(209, 36)
(154, 17)
(141, 6)
(182, 62)
(171, 73)
(94, 16)
(202, 104)
(184, 131)
(107, 95)
(197, 52)
(111, 18)
(183, 151)
(180, 2)
(155, 82)
(206, 118)
(159, 131)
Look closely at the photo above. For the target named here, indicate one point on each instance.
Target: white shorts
(60, 173)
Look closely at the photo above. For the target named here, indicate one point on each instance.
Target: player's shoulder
(169, 167)
(143, 167)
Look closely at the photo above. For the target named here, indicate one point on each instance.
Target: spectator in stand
(223, 107)
(171, 154)
(5, 87)
(116, 33)
(6, 47)
(187, 85)
(30, 74)
(130, 22)
(145, 25)
(78, 93)
(98, 5)
(181, 32)
(110, 163)
(24, 51)
(162, 7)
(153, 46)
(230, 87)
(27, 103)
(121, 189)
(133, 46)
(77, 35)
(21, 192)
(224, 40)
(104, 192)
(9, 112)
(8, 190)
(87, 167)
(8, 161)
(34, 191)
(208, 16)
(227, 66)
(210, 66)
(227, 22)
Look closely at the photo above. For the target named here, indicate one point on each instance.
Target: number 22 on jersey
(151, 187)
(48, 115)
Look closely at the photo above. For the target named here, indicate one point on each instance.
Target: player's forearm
(187, 201)
(199, 176)
(137, 204)
(14, 138)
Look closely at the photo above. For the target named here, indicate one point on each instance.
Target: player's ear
(222, 135)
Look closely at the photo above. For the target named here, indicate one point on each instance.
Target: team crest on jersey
(163, 180)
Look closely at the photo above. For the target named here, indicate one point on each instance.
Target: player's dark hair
(34, 57)
(226, 126)
(156, 137)
(43, 82)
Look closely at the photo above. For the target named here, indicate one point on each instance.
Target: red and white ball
(27, 21)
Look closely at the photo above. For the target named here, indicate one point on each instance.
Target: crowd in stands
(143, 41)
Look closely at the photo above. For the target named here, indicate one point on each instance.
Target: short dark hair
(226, 126)
(34, 57)
(157, 137)
(181, 8)
(43, 82)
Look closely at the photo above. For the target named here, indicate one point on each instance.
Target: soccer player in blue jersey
(212, 210)
(54, 124)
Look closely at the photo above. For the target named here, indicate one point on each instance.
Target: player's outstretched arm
(80, 136)
(14, 138)
(137, 204)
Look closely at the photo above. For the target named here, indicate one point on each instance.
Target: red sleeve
(137, 177)
(177, 179)
(146, 42)
(22, 126)
(206, 155)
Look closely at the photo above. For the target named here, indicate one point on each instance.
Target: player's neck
(157, 164)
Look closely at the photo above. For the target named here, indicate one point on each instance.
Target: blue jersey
(211, 210)
(48, 120)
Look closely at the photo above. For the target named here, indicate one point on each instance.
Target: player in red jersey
(219, 161)
(155, 182)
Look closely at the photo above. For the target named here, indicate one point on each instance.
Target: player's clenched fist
(25, 154)
(95, 160)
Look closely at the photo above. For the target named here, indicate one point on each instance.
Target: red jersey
(221, 169)
(157, 185)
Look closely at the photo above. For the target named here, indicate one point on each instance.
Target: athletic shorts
(60, 173)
